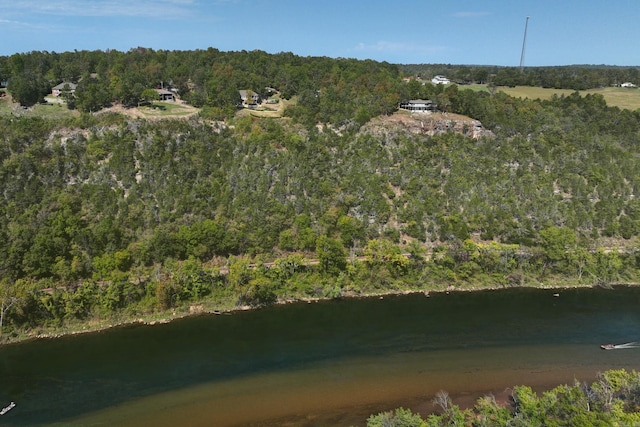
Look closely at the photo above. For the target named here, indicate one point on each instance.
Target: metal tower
(524, 44)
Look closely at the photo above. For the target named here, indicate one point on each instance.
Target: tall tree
(28, 89)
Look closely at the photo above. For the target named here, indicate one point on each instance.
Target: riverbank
(206, 307)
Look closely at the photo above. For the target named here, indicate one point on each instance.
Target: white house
(250, 99)
(440, 80)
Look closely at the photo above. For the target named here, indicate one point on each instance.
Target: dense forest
(334, 90)
(105, 216)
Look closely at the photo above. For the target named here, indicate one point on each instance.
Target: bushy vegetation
(103, 215)
(613, 399)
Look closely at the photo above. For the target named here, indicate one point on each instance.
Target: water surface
(327, 363)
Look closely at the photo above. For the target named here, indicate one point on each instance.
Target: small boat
(607, 346)
(7, 408)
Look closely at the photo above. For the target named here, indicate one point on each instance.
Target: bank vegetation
(611, 400)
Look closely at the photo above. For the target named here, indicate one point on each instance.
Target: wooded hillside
(106, 214)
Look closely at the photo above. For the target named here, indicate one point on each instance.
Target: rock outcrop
(427, 124)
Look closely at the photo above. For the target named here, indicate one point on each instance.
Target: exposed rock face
(427, 124)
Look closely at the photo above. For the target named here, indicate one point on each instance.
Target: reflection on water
(304, 361)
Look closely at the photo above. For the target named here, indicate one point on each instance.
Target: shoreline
(198, 309)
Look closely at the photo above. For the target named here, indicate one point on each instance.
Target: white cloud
(22, 25)
(104, 8)
(9, 22)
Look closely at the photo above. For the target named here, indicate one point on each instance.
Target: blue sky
(488, 32)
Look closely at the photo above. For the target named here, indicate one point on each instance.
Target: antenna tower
(524, 44)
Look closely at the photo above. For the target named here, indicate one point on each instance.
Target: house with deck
(425, 105)
(165, 95)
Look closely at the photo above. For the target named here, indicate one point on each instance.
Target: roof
(419, 101)
(62, 85)
(440, 79)
(245, 94)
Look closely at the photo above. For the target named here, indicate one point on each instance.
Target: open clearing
(268, 110)
(48, 110)
(155, 111)
(625, 98)
(54, 109)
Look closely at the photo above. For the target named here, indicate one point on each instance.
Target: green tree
(490, 413)
(527, 406)
(240, 273)
(284, 269)
(195, 283)
(69, 97)
(28, 90)
(557, 243)
(331, 254)
(350, 229)
(8, 298)
(78, 304)
(400, 417)
(149, 95)
(92, 94)
(166, 293)
(383, 253)
(259, 291)
(607, 267)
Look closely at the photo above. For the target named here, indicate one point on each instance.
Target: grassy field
(167, 110)
(50, 111)
(58, 110)
(620, 97)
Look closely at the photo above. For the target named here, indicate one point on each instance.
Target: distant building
(627, 84)
(440, 80)
(419, 105)
(62, 87)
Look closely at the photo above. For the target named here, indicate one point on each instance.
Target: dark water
(303, 361)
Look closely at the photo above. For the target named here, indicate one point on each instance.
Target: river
(319, 364)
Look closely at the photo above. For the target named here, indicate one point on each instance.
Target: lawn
(54, 109)
(167, 110)
(49, 111)
(625, 98)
